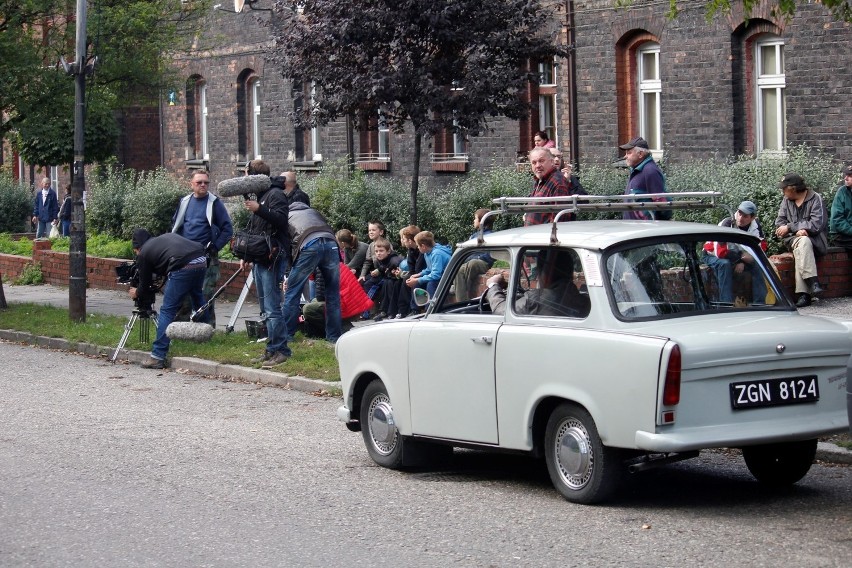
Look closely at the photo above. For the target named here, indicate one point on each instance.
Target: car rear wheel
(581, 468)
(779, 465)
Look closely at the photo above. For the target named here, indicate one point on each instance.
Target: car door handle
(484, 339)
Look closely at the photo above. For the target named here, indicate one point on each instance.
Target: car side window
(550, 282)
(468, 279)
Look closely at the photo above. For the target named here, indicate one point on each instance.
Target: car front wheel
(581, 468)
(779, 465)
(378, 425)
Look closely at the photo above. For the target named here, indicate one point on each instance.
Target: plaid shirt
(553, 184)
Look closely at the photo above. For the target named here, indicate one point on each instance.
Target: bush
(31, 274)
(16, 205)
(122, 200)
(152, 203)
(99, 245)
(21, 247)
(105, 200)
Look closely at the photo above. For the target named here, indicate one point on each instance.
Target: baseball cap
(747, 207)
(791, 178)
(847, 171)
(635, 143)
(140, 237)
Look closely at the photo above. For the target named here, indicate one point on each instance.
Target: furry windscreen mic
(190, 331)
(243, 185)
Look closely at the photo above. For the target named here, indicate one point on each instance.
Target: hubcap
(382, 426)
(574, 454)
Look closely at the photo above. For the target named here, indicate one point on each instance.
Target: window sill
(308, 166)
(373, 165)
(197, 164)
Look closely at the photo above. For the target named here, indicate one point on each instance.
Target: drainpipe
(573, 128)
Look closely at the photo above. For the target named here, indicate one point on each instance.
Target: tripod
(144, 317)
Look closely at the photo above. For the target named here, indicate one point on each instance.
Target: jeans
(65, 231)
(268, 284)
(43, 229)
(724, 271)
(320, 253)
(181, 283)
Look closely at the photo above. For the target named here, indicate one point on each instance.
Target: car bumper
(739, 435)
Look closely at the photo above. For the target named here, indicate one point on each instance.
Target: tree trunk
(415, 179)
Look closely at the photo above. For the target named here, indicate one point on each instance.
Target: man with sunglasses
(202, 218)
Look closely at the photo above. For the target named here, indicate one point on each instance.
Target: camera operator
(183, 263)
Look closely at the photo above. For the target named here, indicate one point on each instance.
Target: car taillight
(671, 390)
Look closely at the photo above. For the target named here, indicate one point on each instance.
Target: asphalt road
(106, 465)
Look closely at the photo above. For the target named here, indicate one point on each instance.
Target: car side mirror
(421, 297)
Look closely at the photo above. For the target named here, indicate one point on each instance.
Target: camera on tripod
(127, 273)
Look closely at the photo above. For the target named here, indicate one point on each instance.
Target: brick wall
(100, 272)
(834, 269)
(701, 107)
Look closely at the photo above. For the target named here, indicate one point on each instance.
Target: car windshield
(686, 277)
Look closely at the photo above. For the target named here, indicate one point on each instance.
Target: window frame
(649, 87)
(766, 82)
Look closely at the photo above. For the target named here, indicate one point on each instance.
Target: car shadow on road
(693, 483)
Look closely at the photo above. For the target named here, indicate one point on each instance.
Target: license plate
(774, 392)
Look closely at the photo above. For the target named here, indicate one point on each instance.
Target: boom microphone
(190, 331)
(243, 185)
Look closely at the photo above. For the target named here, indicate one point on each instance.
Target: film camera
(128, 273)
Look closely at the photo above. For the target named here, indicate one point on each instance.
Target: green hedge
(16, 206)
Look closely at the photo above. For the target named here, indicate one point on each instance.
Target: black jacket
(159, 256)
(271, 219)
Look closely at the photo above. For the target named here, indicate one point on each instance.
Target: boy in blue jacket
(437, 257)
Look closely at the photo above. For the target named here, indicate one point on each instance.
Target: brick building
(696, 89)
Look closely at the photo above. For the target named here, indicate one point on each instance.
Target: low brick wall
(834, 269)
(100, 272)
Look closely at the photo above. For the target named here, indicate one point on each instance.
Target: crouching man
(183, 263)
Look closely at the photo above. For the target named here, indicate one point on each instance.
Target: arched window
(649, 89)
(195, 95)
(640, 89)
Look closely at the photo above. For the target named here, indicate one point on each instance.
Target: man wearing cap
(840, 224)
(732, 260)
(645, 177)
(802, 224)
(184, 263)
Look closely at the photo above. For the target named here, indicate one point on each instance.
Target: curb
(191, 364)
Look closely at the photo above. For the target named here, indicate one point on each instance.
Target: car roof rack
(573, 204)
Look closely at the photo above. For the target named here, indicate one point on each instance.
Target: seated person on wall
(802, 224)
(731, 261)
(467, 278)
(840, 225)
(556, 294)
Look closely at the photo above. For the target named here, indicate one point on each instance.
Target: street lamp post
(77, 253)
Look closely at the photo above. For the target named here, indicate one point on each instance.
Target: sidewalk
(117, 302)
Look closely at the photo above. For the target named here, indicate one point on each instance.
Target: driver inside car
(556, 294)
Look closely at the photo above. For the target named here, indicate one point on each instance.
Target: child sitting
(385, 262)
(437, 258)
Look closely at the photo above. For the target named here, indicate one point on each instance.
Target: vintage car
(638, 356)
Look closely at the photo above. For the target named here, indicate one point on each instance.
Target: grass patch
(311, 358)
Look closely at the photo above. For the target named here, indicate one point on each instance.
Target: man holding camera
(183, 262)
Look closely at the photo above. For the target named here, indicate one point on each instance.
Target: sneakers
(803, 301)
(380, 316)
(265, 356)
(153, 363)
(274, 361)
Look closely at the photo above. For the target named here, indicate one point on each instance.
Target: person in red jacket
(353, 301)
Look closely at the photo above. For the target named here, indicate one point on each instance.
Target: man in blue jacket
(201, 217)
(45, 208)
(645, 177)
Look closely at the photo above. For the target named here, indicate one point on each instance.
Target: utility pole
(77, 252)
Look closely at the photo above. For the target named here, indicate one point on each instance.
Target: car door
(451, 378)
(451, 361)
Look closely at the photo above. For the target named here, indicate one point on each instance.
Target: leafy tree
(783, 9)
(133, 41)
(425, 64)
